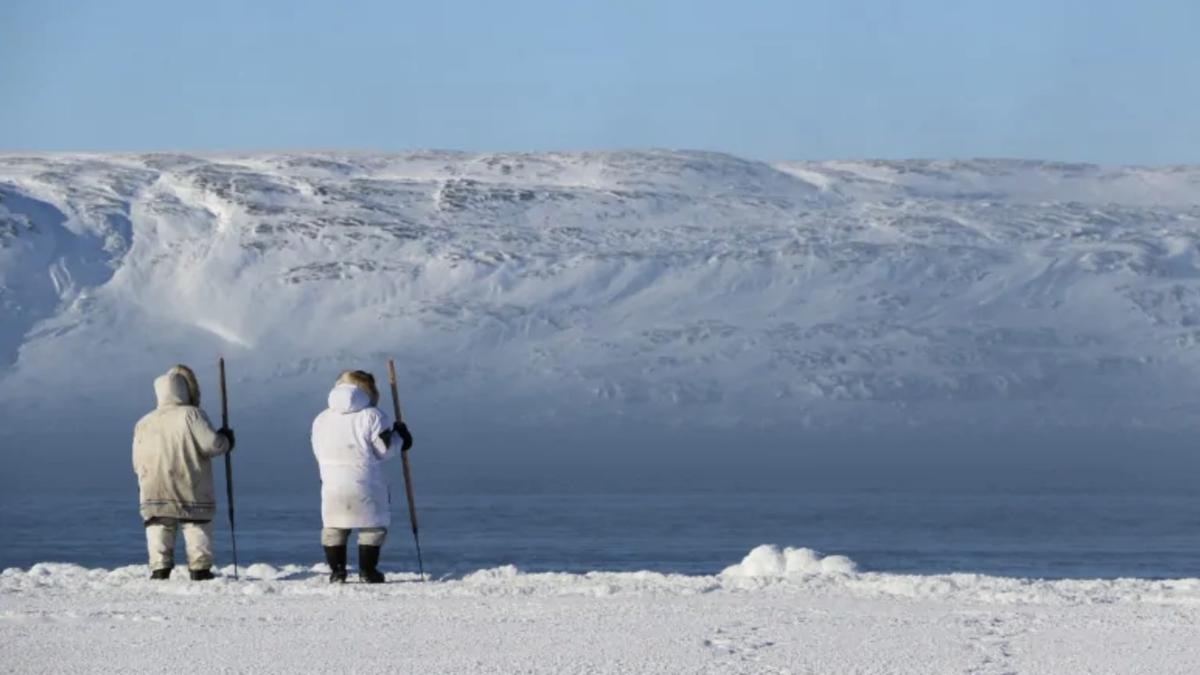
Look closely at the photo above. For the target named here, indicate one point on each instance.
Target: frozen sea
(1029, 535)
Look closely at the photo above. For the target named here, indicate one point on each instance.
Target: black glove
(228, 434)
(402, 429)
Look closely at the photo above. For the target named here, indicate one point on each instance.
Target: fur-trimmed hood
(347, 398)
(193, 386)
(363, 380)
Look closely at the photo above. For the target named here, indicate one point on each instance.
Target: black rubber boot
(201, 575)
(161, 575)
(336, 557)
(368, 560)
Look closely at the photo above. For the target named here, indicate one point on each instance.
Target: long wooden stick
(408, 483)
(228, 466)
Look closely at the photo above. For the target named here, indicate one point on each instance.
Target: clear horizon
(1065, 80)
(220, 152)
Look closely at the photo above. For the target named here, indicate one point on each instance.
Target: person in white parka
(351, 440)
(173, 449)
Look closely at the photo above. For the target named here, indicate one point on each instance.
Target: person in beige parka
(173, 448)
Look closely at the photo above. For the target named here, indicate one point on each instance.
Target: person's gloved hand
(402, 429)
(228, 434)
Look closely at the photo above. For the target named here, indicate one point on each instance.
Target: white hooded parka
(173, 447)
(346, 441)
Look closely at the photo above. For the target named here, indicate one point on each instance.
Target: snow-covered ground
(776, 612)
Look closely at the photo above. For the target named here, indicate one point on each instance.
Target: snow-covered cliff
(672, 287)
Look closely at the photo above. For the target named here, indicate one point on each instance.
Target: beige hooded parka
(172, 451)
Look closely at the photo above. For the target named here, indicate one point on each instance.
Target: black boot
(336, 557)
(161, 575)
(368, 560)
(201, 575)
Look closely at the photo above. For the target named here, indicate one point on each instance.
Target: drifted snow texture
(778, 611)
(678, 287)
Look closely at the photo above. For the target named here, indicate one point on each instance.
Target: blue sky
(1111, 82)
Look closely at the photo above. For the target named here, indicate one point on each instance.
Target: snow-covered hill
(678, 288)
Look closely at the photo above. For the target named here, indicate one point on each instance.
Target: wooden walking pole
(228, 466)
(408, 483)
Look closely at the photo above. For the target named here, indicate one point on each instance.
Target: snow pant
(367, 536)
(160, 541)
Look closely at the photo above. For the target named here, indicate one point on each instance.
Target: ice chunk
(769, 561)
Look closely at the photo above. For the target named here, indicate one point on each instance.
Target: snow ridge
(766, 569)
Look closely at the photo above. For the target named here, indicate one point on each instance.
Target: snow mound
(768, 561)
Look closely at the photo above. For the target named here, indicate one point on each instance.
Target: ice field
(778, 611)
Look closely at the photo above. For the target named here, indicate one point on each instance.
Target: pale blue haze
(1090, 80)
